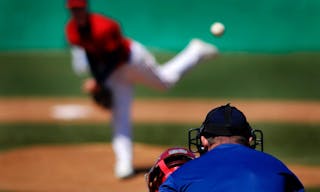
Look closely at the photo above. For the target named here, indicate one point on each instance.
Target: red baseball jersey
(106, 44)
(106, 47)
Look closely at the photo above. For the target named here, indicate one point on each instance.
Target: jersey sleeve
(168, 185)
(292, 183)
(79, 60)
(113, 37)
(71, 33)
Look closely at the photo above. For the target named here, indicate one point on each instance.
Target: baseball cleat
(123, 172)
(206, 50)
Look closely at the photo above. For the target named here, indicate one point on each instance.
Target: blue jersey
(233, 168)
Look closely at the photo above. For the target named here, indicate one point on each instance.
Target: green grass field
(257, 76)
(292, 143)
(293, 76)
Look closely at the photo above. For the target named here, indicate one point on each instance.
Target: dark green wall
(32, 24)
(258, 26)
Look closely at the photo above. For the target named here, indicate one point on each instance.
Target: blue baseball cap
(225, 120)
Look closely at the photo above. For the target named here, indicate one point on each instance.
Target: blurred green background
(254, 26)
(270, 51)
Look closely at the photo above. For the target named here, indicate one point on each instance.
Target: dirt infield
(154, 110)
(89, 167)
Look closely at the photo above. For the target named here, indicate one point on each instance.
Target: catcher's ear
(204, 141)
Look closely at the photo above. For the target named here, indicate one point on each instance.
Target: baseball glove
(103, 97)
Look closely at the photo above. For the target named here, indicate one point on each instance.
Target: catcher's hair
(237, 139)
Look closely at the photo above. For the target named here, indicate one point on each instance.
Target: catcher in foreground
(169, 161)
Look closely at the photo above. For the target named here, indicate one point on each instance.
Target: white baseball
(217, 29)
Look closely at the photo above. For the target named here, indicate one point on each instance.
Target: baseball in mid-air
(217, 29)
